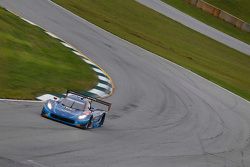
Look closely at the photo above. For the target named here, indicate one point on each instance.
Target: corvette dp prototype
(76, 110)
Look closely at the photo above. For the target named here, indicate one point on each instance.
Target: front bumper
(72, 122)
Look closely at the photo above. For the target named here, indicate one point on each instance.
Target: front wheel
(88, 125)
(102, 121)
(42, 114)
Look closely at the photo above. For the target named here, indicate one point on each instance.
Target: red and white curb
(103, 89)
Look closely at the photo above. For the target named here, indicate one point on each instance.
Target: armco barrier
(217, 12)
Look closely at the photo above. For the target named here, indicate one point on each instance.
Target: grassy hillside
(165, 37)
(33, 63)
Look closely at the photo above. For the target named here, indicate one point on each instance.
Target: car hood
(65, 111)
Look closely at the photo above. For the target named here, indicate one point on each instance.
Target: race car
(76, 109)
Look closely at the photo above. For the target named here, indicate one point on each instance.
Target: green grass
(165, 37)
(210, 20)
(238, 8)
(32, 63)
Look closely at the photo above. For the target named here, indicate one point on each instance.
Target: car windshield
(73, 104)
(78, 105)
(67, 102)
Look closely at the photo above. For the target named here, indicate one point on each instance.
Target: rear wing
(90, 98)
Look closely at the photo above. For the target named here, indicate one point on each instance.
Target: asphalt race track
(162, 114)
(196, 25)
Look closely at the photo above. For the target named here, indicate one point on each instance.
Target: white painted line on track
(52, 35)
(89, 62)
(98, 92)
(104, 79)
(68, 45)
(103, 86)
(30, 22)
(79, 54)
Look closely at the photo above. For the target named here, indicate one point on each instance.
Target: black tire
(42, 114)
(87, 126)
(103, 119)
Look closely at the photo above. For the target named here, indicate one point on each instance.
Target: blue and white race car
(76, 110)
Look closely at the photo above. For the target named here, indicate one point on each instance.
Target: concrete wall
(217, 12)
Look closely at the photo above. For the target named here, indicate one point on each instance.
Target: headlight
(49, 105)
(82, 116)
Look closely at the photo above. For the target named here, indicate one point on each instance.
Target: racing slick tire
(102, 121)
(89, 124)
